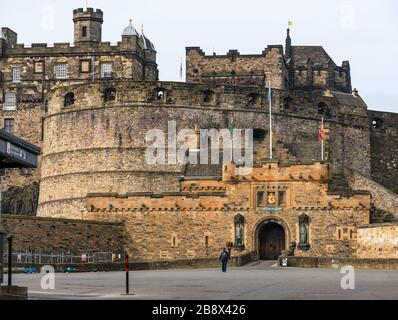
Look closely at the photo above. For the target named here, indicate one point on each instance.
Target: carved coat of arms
(271, 198)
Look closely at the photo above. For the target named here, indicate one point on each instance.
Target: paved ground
(258, 281)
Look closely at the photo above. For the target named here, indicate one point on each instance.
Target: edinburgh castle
(89, 105)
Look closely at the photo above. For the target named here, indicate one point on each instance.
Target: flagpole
(270, 119)
(322, 143)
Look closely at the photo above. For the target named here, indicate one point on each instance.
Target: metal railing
(60, 258)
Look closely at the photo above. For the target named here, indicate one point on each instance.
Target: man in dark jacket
(224, 257)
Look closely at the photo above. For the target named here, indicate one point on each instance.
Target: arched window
(377, 123)
(208, 96)
(323, 109)
(258, 134)
(287, 103)
(252, 99)
(160, 94)
(109, 94)
(304, 227)
(239, 231)
(69, 99)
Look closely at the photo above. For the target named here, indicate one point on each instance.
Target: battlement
(232, 52)
(329, 105)
(80, 13)
(65, 48)
(237, 68)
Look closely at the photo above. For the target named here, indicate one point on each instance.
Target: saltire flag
(322, 132)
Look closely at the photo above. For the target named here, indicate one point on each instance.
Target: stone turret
(88, 25)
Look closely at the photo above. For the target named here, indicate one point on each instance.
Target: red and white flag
(322, 132)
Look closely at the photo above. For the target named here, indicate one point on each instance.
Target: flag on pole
(322, 132)
(181, 69)
(322, 138)
(270, 119)
(231, 126)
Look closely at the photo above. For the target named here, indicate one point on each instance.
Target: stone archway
(271, 237)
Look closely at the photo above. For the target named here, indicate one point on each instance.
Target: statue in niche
(303, 232)
(239, 234)
(239, 230)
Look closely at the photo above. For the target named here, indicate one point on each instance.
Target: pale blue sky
(363, 32)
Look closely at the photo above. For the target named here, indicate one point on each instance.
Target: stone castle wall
(384, 148)
(379, 241)
(59, 235)
(234, 68)
(385, 201)
(96, 146)
(198, 222)
(132, 58)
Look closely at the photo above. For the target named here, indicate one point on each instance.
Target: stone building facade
(90, 106)
(28, 72)
(297, 68)
(263, 212)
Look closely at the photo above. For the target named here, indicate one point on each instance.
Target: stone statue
(303, 234)
(239, 234)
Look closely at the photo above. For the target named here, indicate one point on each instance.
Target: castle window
(345, 233)
(260, 199)
(9, 125)
(281, 198)
(10, 101)
(16, 75)
(377, 123)
(69, 99)
(110, 94)
(206, 241)
(106, 70)
(258, 134)
(61, 71)
(160, 94)
(252, 99)
(208, 96)
(287, 102)
(39, 67)
(323, 109)
(84, 32)
(85, 66)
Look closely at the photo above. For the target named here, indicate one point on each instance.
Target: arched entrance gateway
(271, 240)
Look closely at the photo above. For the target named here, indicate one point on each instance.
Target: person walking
(224, 257)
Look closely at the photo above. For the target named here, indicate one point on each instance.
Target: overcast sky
(363, 32)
